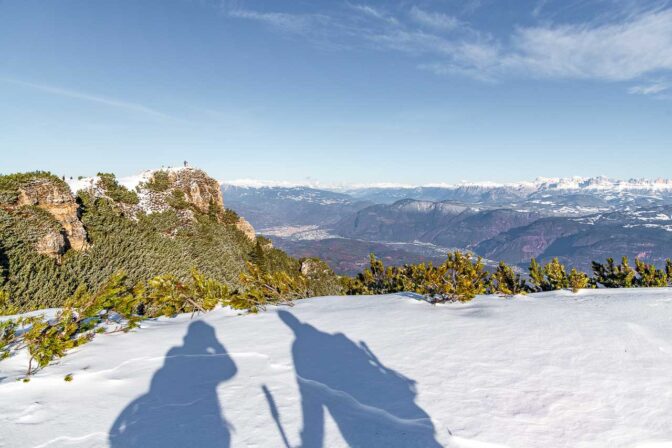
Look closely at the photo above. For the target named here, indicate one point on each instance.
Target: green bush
(506, 281)
(230, 217)
(459, 278)
(260, 288)
(648, 276)
(115, 304)
(578, 280)
(10, 184)
(6, 307)
(551, 277)
(158, 182)
(611, 275)
(156, 244)
(177, 200)
(152, 245)
(115, 191)
(8, 337)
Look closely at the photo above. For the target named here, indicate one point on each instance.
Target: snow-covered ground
(548, 370)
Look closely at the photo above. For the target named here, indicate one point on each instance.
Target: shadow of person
(372, 405)
(181, 407)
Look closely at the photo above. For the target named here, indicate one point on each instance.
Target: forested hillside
(53, 240)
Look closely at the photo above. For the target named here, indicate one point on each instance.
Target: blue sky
(338, 91)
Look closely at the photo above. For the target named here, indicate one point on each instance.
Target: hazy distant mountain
(643, 233)
(604, 190)
(445, 224)
(266, 207)
(350, 256)
(577, 219)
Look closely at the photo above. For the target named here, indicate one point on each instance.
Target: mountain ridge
(539, 183)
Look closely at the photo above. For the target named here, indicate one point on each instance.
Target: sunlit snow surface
(548, 370)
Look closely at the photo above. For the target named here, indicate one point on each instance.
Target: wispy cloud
(434, 20)
(538, 8)
(628, 46)
(650, 88)
(616, 51)
(105, 101)
(376, 14)
(292, 23)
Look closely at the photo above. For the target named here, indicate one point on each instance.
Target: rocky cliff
(179, 188)
(60, 228)
(186, 190)
(48, 205)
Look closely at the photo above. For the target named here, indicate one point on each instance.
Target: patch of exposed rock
(163, 189)
(60, 203)
(186, 191)
(52, 244)
(244, 226)
(53, 196)
(313, 267)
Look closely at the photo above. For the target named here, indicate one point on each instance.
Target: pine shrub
(611, 275)
(578, 280)
(550, 277)
(648, 276)
(506, 281)
(115, 191)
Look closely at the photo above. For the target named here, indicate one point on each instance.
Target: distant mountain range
(576, 219)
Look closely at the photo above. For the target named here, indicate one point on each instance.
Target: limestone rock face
(199, 189)
(311, 267)
(52, 244)
(182, 189)
(244, 226)
(58, 201)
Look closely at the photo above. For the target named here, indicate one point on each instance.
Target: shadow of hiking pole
(275, 414)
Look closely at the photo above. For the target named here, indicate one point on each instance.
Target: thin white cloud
(375, 13)
(651, 88)
(615, 52)
(106, 101)
(538, 8)
(292, 23)
(434, 20)
(625, 47)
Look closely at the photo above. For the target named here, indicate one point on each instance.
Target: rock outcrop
(52, 244)
(244, 226)
(180, 188)
(186, 189)
(200, 190)
(59, 202)
(63, 228)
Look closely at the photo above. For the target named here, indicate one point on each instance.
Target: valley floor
(547, 370)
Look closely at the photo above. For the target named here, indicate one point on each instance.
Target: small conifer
(578, 280)
(649, 276)
(506, 281)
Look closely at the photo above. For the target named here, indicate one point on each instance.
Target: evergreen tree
(649, 276)
(556, 277)
(8, 337)
(506, 281)
(262, 288)
(611, 275)
(462, 278)
(257, 256)
(377, 279)
(6, 307)
(578, 280)
(537, 276)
